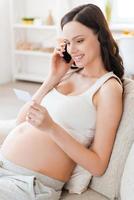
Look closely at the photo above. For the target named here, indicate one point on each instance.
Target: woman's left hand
(39, 117)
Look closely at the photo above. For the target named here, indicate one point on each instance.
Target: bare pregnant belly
(35, 150)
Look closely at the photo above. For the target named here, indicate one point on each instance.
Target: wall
(5, 47)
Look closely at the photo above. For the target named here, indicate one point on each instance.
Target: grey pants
(19, 183)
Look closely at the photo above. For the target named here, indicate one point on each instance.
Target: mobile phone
(66, 55)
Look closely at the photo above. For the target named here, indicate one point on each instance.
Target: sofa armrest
(127, 181)
(5, 127)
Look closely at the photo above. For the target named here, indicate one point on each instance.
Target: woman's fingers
(58, 51)
(34, 111)
(61, 46)
(35, 117)
(38, 107)
(33, 120)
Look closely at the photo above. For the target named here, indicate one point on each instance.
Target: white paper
(23, 95)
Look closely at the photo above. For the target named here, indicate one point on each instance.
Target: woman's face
(82, 44)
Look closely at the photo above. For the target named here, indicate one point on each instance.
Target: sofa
(108, 186)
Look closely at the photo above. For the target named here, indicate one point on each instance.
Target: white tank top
(76, 114)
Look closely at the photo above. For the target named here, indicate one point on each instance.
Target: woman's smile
(78, 58)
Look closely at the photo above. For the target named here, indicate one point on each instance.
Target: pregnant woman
(72, 118)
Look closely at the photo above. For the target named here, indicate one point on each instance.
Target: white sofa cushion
(79, 180)
(127, 181)
(109, 183)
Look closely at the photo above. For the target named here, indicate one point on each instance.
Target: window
(123, 11)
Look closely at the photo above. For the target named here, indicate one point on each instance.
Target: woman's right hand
(58, 69)
(59, 66)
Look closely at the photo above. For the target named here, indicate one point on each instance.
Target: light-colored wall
(5, 46)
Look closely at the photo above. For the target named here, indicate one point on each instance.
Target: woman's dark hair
(91, 16)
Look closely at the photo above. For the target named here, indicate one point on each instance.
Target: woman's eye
(79, 41)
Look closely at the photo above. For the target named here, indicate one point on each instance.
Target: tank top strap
(97, 85)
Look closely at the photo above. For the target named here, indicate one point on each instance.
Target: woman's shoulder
(113, 83)
(109, 93)
(111, 88)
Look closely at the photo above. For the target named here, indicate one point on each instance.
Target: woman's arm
(37, 97)
(109, 110)
(58, 69)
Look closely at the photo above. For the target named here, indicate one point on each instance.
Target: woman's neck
(93, 72)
